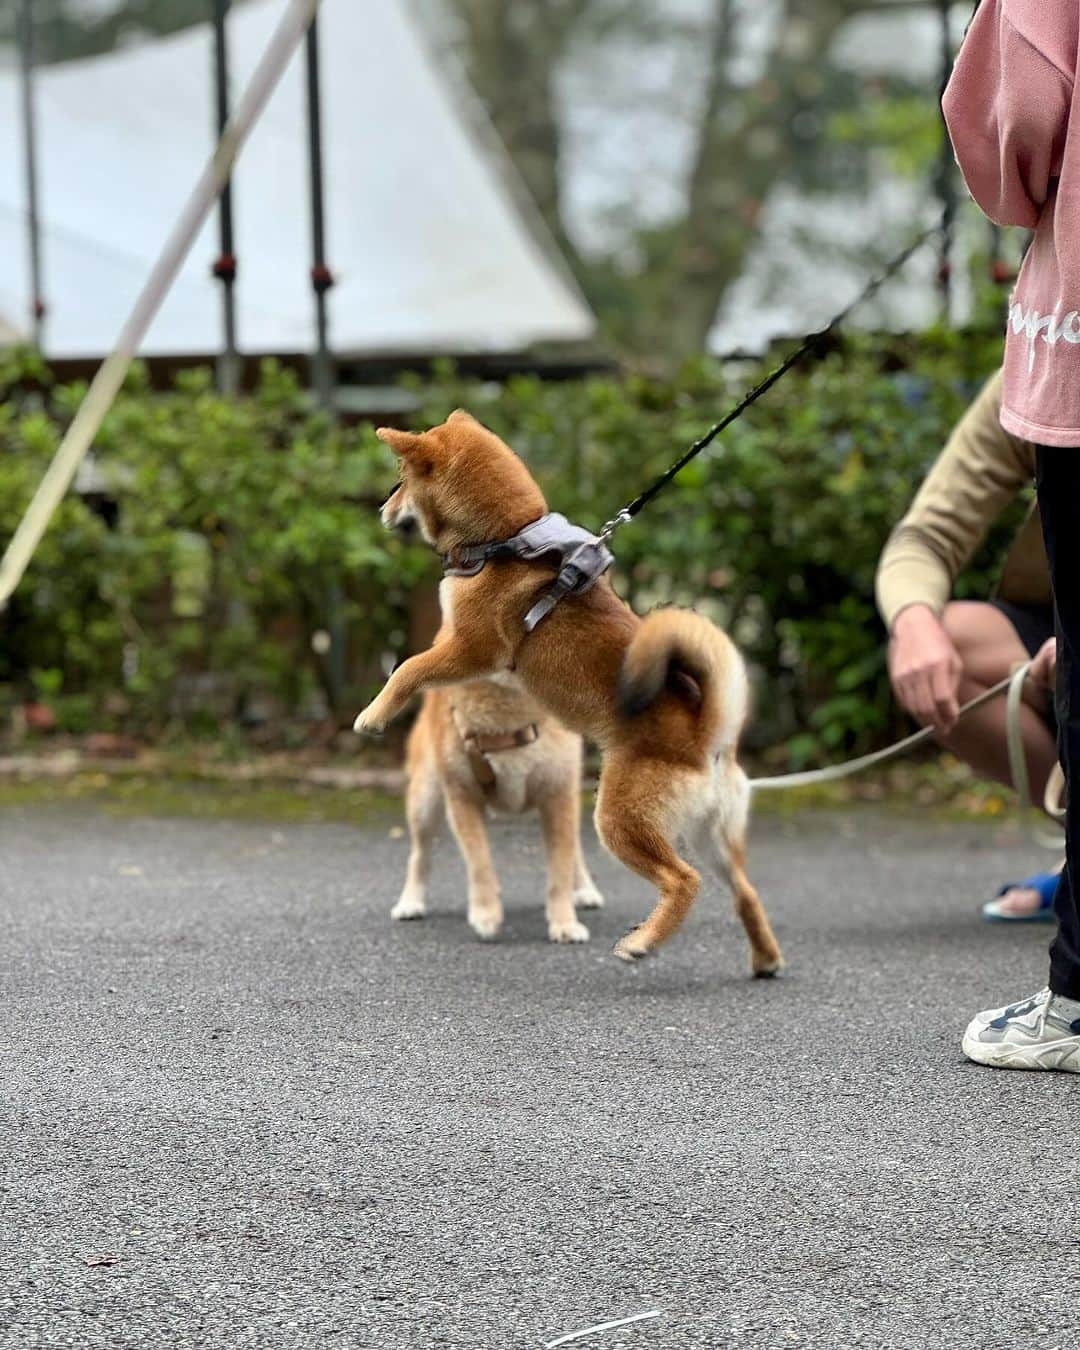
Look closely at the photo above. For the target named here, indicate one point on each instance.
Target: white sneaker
(1042, 1032)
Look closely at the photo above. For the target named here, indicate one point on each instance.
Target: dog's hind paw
(574, 931)
(766, 961)
(632, 947)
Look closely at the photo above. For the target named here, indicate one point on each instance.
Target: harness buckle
(573, 577)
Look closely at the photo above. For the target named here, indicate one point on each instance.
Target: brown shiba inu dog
(486, 744)
(664, 697)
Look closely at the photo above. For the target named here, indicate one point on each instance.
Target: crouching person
(944, 652)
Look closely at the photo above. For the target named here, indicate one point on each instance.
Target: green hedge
(245, 528)
(258, 508)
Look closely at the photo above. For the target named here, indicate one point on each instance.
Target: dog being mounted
(664, 697)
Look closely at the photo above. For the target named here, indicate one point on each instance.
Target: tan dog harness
(583, 559)
(478, 746)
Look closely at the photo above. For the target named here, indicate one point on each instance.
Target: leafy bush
(243, 529)
(239, 521)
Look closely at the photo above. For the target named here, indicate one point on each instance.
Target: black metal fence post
(33, 215)
(321, 276)
(322, 365)
(224, 268)
(946, 169)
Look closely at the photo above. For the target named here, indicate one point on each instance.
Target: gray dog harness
(583, 559)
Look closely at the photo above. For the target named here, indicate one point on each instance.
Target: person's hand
(1043, 672)
(925, 668)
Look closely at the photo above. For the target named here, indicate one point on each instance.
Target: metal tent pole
(26, 65)
(228, 365)
(322, 365)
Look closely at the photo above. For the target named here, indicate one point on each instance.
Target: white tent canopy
(431, 247)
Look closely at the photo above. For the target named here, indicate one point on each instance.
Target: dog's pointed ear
(401, 442)
(461, 415)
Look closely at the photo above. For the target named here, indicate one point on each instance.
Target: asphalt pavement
(240, 1107)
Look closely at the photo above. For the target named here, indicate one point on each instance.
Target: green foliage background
(257, 506)
(235, 519)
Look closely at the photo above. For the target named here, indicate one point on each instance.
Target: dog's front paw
(571, 931)
(633, 947)
(369, 722)
(409, 907)
(485, 923)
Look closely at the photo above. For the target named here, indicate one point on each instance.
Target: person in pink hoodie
(1013, 111)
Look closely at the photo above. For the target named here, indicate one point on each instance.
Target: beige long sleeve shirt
(978, 473)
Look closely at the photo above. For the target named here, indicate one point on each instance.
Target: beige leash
(1012, 686)
(110, 374)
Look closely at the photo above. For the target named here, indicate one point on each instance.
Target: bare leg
(467, 821)
(990, 648)
(560, 817)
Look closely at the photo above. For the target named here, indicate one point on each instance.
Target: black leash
(807, 345)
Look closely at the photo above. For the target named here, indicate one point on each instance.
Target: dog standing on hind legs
(487, 745)
(664, 697)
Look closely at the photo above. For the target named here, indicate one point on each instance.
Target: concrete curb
(68, 763)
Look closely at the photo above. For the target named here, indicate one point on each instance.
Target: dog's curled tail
(671, 644)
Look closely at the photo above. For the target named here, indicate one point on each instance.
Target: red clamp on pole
(1002, 273)
(224, 267)
(321, 278)
(944, 272)
(40, 309)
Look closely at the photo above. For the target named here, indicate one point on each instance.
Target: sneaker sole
(1040, 916)
(1062, 1056)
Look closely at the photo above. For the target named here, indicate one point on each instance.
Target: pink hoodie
(1014, 119)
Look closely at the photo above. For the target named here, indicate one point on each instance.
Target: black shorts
(1033, 624)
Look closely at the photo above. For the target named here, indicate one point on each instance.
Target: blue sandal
(1043, 882)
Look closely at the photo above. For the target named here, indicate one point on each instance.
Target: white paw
(368, 723)
(574, 931)
(485, 923)
(409, 907)
(588, 897)
(632, 947)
